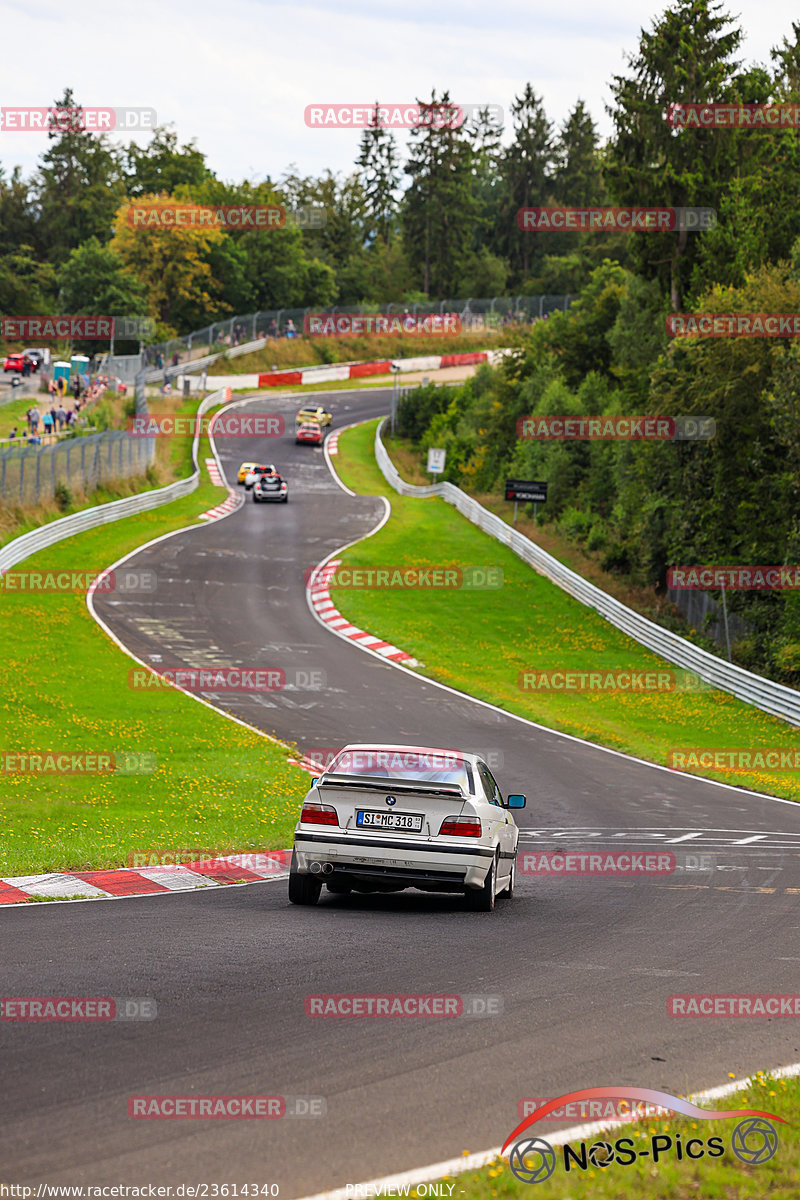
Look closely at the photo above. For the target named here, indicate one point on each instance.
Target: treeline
(440, 223)
(646, 506)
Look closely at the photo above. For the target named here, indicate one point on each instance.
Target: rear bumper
(407, 862)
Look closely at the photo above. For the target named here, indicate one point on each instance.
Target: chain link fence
(476, 315)
(30, 474)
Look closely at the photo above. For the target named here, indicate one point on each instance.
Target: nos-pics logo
(533, 1160)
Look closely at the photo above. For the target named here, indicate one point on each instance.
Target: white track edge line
(471, 1162)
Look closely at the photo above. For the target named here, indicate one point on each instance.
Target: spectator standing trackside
(53, 417)
(76, 386)
(35, 418)
(61, 416)
(290, 329)
(176, 358)
(47, 422)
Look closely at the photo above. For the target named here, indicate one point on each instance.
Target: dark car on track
(270, 489)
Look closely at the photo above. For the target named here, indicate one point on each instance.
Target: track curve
(583, 967)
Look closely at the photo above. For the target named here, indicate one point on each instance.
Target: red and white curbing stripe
(333, 443)
(227, 506)
(306, 764)
(247, 867)
(327, 612)
(357, 370)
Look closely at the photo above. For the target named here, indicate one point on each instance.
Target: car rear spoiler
(374, 784)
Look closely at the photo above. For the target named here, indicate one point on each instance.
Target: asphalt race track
(584, 967)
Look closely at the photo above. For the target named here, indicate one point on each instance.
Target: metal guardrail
(773, 698)
(103, 514)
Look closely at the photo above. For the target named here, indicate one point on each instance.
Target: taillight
(461, 827)
(319, 814)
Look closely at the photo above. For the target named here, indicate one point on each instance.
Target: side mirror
(314, 779)
(516, 801)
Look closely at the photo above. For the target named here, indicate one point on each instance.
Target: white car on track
(383, 818)
(257, 471)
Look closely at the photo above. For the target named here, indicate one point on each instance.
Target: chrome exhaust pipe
(315, 868)
(327, 869)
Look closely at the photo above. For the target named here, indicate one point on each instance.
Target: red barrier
(463, 360)
(278, 379)
(370, 368)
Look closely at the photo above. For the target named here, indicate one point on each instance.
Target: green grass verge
(480, 641)
(722, 1178)
(216, 785)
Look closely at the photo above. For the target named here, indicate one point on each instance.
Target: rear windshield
(424, 766)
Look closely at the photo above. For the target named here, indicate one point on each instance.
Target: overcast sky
(236, 76)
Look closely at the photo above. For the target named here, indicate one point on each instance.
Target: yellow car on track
(314, 414)
(244, 469)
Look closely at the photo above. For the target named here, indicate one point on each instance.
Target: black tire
(255, 501)
(338, 887)
(303, 889)
(482, 899)
(284, 500)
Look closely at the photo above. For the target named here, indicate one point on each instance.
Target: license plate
(410, 822)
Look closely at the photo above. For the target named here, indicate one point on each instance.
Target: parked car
(384, 818)
(16, 362)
